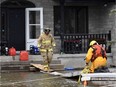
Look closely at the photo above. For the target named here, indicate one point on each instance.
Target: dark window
(75, 20)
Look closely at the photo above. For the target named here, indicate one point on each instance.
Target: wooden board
(62, 74)
(41, 67)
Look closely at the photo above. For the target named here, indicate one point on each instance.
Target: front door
(34, 25)
(13, 27)
(17, 29)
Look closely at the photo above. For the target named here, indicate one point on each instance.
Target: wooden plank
(64, 74)
(41, 67)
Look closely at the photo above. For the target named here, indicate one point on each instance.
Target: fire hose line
(30, 81)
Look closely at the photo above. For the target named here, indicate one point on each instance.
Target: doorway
(13, 23)
(16, 28)
(34, 26)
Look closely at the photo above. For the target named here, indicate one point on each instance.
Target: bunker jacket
(46, 42)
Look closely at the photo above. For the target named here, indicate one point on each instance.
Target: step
(27, 62)
(22, 67)
(57, 66)
(17, 65)
(15, 68)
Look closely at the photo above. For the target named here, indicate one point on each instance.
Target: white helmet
(46, 29)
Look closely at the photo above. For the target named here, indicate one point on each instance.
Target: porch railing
(79, 43)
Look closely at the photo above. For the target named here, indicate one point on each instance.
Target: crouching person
(96, 58)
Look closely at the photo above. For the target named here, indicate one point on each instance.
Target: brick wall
(99, 19)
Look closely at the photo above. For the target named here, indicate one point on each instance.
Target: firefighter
(96, 57)
(46, 43)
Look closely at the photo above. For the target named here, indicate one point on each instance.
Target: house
(22, 21)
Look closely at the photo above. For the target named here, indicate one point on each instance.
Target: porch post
(113, 49)
(62, 23)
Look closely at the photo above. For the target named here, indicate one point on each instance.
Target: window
(75, 20)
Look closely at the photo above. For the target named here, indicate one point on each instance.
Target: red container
(24, 56)
(12, 51)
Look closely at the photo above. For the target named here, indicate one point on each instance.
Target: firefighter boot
(46, 68)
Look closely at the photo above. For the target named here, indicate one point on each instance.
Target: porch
(79, 43)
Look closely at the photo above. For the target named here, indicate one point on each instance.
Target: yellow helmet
(92, 42)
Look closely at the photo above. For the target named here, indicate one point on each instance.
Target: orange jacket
(98, 62)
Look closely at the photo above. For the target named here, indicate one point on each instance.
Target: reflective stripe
(43, 50)
(39, 45)
(50, 49)
(46, 42)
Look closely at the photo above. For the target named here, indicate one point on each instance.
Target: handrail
(79, 43)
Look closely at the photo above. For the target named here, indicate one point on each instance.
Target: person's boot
(46, 68)
(105, 69)
(102, 70)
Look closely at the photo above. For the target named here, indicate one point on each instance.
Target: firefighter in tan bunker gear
(96, 56)
(46, 44)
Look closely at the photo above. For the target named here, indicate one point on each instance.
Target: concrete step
(22, 67)
(17, 58)
(8, 64)
(57, 66)
(27, 62)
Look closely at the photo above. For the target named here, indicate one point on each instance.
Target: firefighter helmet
(92, 42)
(46, 29)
